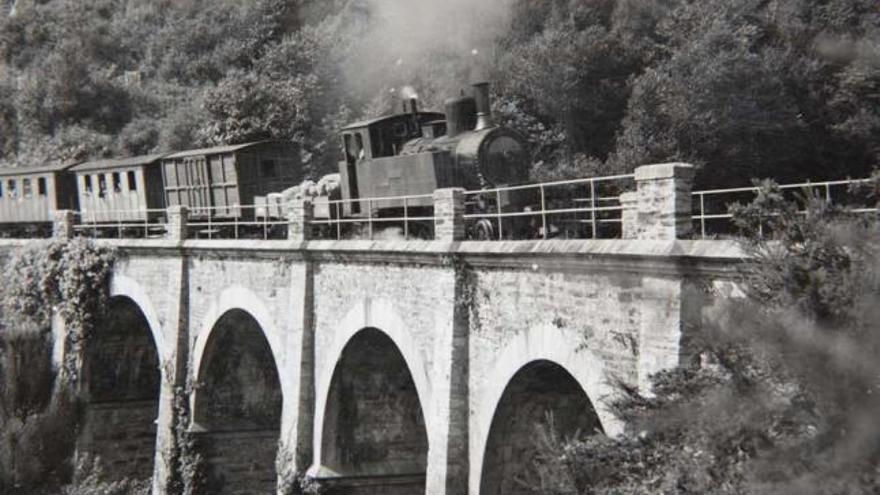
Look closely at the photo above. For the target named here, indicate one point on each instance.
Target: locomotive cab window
(268, 170)
(26, 188)
(348, 148)
(359, 152)
(41, 186)
(400, 130)
(132, 181)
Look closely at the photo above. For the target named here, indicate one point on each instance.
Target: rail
(712, 217)
(410, 216)
(147, 222)
(577, 208)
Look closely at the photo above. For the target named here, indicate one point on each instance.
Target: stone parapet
(660, 208)
(300, 213)
(63, 222)
(449, 214)
(178, 217)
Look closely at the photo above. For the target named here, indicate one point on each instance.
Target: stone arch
(368, 313)
(541, 398)
(542, 344)
(121, 285)
(237, 411)
(122, 380)
(241, 298)
(373, 426)
(381, 317)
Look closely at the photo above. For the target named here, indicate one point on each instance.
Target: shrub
(783, 395)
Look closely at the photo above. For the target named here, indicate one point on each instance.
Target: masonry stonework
(464, 320)
(660, 208)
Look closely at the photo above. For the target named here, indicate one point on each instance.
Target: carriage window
(267, 168)
(117, 182)
(1, 189)
(132, 181)
(41, 186)
(87, 184)
(12, 192)
(26, 188)
(102, 185)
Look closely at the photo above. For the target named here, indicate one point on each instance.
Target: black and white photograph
(439, 247)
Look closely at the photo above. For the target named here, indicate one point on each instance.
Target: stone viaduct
(391, 366)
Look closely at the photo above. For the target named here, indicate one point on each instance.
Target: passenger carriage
(126, 190)
(30, 196)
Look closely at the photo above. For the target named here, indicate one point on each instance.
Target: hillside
(783, 88)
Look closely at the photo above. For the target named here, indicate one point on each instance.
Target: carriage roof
(41, 169)
(218, 149)
(133, 161)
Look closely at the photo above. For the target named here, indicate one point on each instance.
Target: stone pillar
(173, 389)
(629, 216)
(449, 214)
(448, 469)
(660, 208)
(62, 224)
(177, 222)
(299, 219)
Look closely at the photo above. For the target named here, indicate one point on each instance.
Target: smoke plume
(434, 46)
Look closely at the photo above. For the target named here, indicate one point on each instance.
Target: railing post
(449, 214)
(299, 219)
(660, 208)
(178, 217)
(63, 222)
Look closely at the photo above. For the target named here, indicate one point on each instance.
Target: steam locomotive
(409, 154)
(412, 154)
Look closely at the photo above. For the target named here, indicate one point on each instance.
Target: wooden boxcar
(31, 195)
(120, 190)
(219, 181)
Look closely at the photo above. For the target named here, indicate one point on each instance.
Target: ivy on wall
(38, 412)
(70, 278)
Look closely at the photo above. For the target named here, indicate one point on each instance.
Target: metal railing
(588, 208)
(146, 223)
(405, 216)
(234, 222)
(578, 208)
(713, 217)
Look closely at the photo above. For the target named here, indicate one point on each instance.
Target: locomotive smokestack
(414, 110)
(484, 106)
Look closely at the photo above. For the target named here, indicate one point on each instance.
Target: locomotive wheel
(484, 230)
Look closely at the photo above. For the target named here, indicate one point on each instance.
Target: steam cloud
(437, 46)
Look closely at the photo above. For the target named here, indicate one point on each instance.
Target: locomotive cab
(368, 144)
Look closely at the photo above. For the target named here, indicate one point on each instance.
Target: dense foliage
(38, 409)
(746, 88)
(782, 394)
